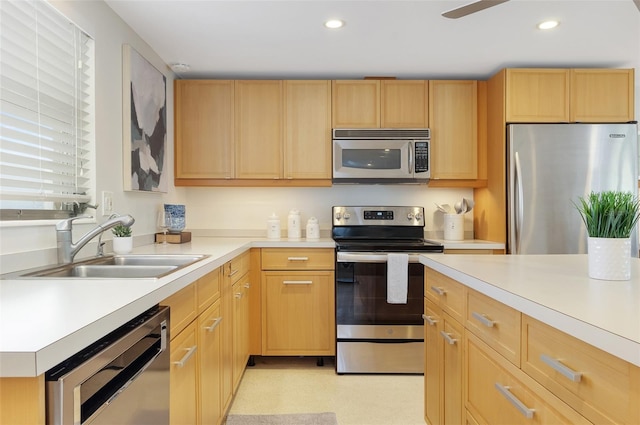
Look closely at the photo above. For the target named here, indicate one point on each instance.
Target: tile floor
(297, 385)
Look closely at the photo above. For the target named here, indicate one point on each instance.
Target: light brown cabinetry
(22, 401)
(204, 129)
(183, 406)
(241, 295)
(516, 369)
(569, 95)
(380, 104)
(298, 312)
(453, 118)
(209, 379)
(443, 367)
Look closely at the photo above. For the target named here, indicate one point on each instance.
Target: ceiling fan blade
(474, 7)
(637, 2)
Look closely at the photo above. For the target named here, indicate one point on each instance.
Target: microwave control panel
(422, 157)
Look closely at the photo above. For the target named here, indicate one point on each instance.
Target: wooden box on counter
(181, 237)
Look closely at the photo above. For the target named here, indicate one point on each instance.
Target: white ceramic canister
(454, 227)
(273, 227)
(294, 229)
(313, 228)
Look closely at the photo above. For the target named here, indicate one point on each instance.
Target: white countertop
(469, 244)
(45, 321)
(556, 290)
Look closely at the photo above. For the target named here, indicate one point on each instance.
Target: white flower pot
(122, 245)
(609, 258)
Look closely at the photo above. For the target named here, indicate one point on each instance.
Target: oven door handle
(369, 257)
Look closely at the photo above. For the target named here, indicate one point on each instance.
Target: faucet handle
(66, 223)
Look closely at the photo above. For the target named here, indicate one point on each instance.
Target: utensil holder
(454, 227)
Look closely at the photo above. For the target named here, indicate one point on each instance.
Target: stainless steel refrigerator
(549, 166)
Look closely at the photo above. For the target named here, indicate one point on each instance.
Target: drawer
(184, 308)
(445, 292)
(298, 259)
(208, 289)
(497, 392)
(495, 323)
(237, 267)
(602, 387)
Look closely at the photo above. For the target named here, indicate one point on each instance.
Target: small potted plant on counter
(122, 239)
(610, 217)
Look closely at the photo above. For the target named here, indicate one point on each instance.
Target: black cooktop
(387, 245)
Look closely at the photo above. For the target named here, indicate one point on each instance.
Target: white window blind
(46, 111)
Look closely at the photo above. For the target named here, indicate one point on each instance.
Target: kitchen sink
(130, 266)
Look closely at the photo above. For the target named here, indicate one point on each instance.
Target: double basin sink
(130, 266)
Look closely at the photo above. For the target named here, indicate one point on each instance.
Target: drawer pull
(214, 325)
(298, 258)
(430, 320)
(232, 272)
(438, 290)
(297, 282)
(572, 375)
(526, 412)
(190, 351)
(238, 295)
(447, 337)
(247, 285)
(483, 319)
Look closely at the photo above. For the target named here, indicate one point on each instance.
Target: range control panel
(378, 216)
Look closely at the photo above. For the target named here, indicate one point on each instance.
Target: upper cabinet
(253, 133)
(204, 129)
(453, 114)
(380, 104)
(258, 117)
(569, 95)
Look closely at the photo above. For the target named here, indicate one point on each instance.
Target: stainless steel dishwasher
(120, 379)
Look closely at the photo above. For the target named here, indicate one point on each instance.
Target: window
(46, 112)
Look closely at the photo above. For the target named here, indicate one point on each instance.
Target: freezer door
(549, 167)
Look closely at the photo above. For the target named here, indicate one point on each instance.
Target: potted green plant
(610, 217)
(122, 239)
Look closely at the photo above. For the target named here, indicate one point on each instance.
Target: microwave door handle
(411, 150)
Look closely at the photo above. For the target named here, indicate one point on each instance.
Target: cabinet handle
(214, 325)
(190, 351)
(504, 390)
(238, 295)
(570, 374)
(430, 320)
(438, 290)
(447, 337)
(298, 258)
(232, 272)
(247, 285)
(297, 282)
(483, 319)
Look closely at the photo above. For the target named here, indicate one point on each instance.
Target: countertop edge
(603, 339)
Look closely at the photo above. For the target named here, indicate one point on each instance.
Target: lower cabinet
(443, 367)
(209, 338)
(240, 327)
(184, 377)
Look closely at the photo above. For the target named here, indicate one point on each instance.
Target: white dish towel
(397, 278)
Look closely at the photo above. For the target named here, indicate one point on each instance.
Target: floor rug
(326, 418)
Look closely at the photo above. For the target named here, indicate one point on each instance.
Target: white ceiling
(405, 39)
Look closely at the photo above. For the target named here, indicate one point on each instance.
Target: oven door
(373, 159)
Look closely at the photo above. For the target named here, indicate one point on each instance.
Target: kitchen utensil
(445, 208)
(470, 204)
(458, 207)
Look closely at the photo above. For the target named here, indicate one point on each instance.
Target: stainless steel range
(380, 288)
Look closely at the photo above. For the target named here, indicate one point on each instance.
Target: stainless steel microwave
(381, 155)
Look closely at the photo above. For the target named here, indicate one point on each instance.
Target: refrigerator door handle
(519, 203)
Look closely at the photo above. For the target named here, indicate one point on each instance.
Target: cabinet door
(404, 103)
(453, 116)
(183, 377)
(537, 95)
(433, 370)
(355, 104)
(226, 350)
(602, 95)
(298, 313)
(240, 327)
(209, 337)
(204, 129)
(258, 109)
(307, 128)
(452, 359)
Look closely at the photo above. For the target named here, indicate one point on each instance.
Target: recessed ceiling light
(180, 67)
(547, 25)
(334, 24)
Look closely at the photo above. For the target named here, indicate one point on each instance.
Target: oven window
(361, 296)
(372, 159)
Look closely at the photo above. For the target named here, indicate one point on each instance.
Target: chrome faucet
(67, 250)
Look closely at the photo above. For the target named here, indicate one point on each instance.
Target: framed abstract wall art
(144, 121)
